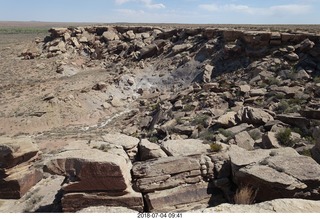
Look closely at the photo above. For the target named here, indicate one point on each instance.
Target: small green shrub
(255, 134)
(200, 119)
(188, 108)
(215, 147)
(153, 139)
(207, 136)
(226, 133)
(306, 152)
(105, 147)
(284, 137)
(274, 81)
(316, 79)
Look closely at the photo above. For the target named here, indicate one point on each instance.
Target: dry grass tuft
(245, 195)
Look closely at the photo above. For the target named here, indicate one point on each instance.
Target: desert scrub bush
(245, 195)
(104, 147)
(274, 81)
(306, 152)
(188, 108)
(255, 134)
(284, 137)
(215, 147)
(316, 79)
(226, 133)
(289, 106)
(207, 136)
(200, 119)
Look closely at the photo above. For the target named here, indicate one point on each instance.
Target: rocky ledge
(210, 111)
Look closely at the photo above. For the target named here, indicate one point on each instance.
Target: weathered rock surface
(16, 151)
(17, 171)
(18, 181)
(186, 147)
(105, 209)
(73, 202)
(274, 206)
(91, 170)
(244, 140)
(252, 115)
(148, 150)
(163, 201)
(276, 173)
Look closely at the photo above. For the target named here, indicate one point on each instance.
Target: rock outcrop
(276, 173)
(95, 177)
(17, 171)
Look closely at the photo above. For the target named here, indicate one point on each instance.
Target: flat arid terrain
(147, 118)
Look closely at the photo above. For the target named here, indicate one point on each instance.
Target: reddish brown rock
(92, 170)
(163, 201)
(18, 181)
(16, 151)
(76, 201)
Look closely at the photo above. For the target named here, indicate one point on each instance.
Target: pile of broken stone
(243, 80)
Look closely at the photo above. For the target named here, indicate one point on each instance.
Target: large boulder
(16, 151)
(91, 170)
(254, 116)
(18, 181)
(73, 202)
(165, 173)
(276, 173)
(187, 147)
(169, 200)
(149, 150)
(244, 140)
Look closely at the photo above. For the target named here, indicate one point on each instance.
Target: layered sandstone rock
(17, 171)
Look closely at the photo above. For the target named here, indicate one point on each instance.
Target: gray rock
(73, 202)
(171, 199)
(148, 150)
(227, 120)
(274, 206)
(92, 170)
(110, 36)
(14, 151)
(180, 48)
(105, 209)
(207, 72)
(244, 140)
(164, 166)
(127, 142)
(186, 147)
(276, 173)
(292, 56)
(254, 116)
(269, 140)
(239, 128)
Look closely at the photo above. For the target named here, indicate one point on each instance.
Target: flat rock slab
(149, 150)
(163, 201)
(19, 180)
(164, 166)
(74, 202)
(127, 142)
(274, 206)
(14, 151)
(186, 147)
(91, 170)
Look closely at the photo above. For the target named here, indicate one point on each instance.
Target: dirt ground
(25, 84)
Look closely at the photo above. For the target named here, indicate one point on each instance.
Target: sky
(164, 11)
